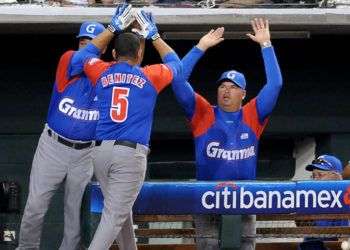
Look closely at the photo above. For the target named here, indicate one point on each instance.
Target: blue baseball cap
(233, 76)
(90, 29)
(327, 163)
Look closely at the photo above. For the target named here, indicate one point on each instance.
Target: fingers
(145, 16)
(137, 31)
(254, 26)
(126, 16)
(251, 36)
(126, 10)
(150, 17)
(219, 40)
(140, 18)
(219, 32)
(120, 9)
(259, 24)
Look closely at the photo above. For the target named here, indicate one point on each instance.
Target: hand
(212, 38)
(148, 28)
(261, 31)
(122, 18)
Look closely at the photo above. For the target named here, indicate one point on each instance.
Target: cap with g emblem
(90, 29)
(233, 76)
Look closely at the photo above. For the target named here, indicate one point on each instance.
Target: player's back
(126, 100)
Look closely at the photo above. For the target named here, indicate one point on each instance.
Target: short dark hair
(127, 44)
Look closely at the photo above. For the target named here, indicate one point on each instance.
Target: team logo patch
(244, 136)
(92, 61)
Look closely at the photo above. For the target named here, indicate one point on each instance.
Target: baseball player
(126, 96)
(64, 150)
(227, 135)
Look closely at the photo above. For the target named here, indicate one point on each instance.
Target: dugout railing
(163, 203)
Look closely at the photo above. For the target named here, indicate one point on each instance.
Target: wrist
(111, 29)
(266, 44)
(155, 36)
(201, 47)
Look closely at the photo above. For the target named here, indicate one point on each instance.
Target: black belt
(75, 145)
(122, 143)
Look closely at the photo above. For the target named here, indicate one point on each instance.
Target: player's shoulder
(68, 53)
(250, 104)
(155, 69)
(97, 64)
(94, 61)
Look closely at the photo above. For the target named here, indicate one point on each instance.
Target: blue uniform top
(73, 110)
(226, 143)
(126, 95)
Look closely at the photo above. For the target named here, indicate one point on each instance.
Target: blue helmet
(90, 29)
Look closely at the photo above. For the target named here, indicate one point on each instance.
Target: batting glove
(122, 18)
(148, 28)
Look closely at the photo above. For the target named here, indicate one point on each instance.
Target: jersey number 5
(120, 104)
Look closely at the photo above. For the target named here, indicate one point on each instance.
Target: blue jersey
(73, 109)
(126, 96)
(226, 143)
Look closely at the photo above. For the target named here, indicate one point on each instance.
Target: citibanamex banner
(241, 197)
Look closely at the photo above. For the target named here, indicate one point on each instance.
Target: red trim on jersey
(159, 75)
(203, 116)
(62, 80)
(94, 68)
(251, 118)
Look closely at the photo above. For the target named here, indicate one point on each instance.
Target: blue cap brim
(317, 166)
(228, 80)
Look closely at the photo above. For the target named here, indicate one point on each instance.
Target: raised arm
(211, 39)
(182, 89)
(268, 95)
(148, 29)
(122, 18)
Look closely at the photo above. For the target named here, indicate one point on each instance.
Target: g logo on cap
(231, 75)
(91, 28)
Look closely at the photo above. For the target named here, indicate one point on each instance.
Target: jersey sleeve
(63, 78)
(94, 68)
(203, 116)
(190, 60)
(81, 56)
(267, 97)
(185, 96)
(160, 75)
(251, 118)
